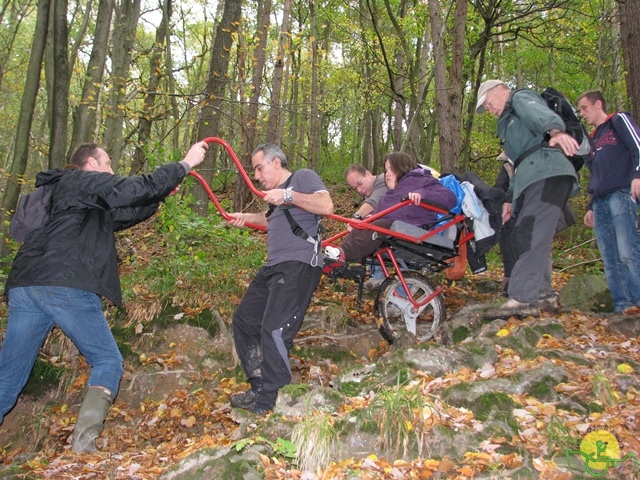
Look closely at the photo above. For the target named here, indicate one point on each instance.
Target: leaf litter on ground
(142, 440)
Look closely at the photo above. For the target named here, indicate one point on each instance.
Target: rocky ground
(492, 399)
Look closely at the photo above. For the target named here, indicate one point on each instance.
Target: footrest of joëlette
(354, 272)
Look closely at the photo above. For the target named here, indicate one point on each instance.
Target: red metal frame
(380, 255)
(365, 224)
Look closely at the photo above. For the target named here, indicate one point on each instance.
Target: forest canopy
(332, 82)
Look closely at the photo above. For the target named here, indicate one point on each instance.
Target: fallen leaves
(142, 439)
(625, 368)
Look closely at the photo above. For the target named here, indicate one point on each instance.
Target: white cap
(482, 93)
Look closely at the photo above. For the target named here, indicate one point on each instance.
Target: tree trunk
(478, 49)
(376, 129)
(630, 36)
(147, 116)
(295, 109)
(248, 143)
(209, 118)
(456, 87)
(60, 93)
(415, 137)
(127, 13)
(23, 130)
(81, 31)
(315, 122)
(448, 87)
(84, 117)
(396, 72)
(402, 60)
(285, 95)
(171, 87)
(273, 132)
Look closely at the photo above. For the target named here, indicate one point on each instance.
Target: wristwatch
(287, 195)
(357, 216)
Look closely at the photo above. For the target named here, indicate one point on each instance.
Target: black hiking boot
(246, 400)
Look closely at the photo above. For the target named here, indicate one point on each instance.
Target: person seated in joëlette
(404, 179)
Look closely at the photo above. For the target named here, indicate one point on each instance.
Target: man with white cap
(533, 137)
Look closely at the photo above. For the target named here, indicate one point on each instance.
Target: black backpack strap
(272, 207)
(528, 152)
(544, 143)
(297, 230)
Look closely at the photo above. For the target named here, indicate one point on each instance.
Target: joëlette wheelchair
(408, 256)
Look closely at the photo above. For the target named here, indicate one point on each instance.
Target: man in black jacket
(63, 268)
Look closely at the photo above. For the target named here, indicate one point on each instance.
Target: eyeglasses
(360, 182)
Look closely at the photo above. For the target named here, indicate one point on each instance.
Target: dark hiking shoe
(549, 303)
(246, 400)
(260, 409)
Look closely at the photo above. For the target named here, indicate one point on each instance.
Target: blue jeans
(616, 227)
(33, 312)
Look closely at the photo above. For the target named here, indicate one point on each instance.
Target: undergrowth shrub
(202, 254)
(316, 440)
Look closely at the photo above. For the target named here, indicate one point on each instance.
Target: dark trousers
(361, 243)
(538, 211)
(265, 323)
(506, 248)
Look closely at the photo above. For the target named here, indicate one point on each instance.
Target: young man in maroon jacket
(614, 187)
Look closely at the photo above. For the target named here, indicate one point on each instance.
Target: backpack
(32, 212)
(557, 102)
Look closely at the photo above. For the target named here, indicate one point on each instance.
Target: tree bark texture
(25, 119)
(314, 113)
(127, 13)
(275, 112)
(208, 124)
(448, 84)
(60, 93)
(250, 129)
(85, 114)
(630, 36)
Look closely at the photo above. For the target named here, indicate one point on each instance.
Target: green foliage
(603, 389)
(460, 333)
(296, 390)
(559, 438)
(122, 335)
(44, 376)
(543, 389)
(312, 352)
(350, 389)
(203, 254)
(399, 413)
(281, 448)
(594, 407)
(496, 405)
(317, 441)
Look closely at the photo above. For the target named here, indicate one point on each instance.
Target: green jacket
(523, 124)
